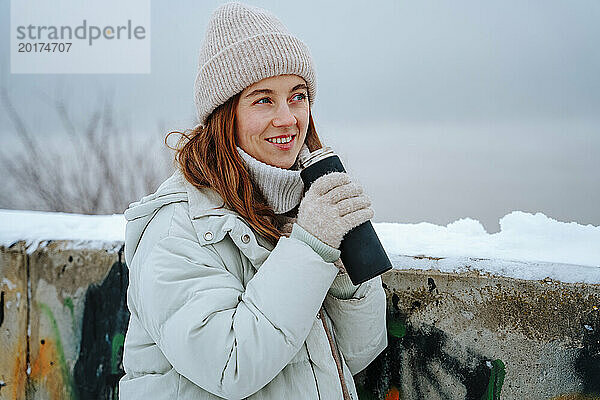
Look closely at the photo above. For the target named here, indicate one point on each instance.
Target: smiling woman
(272, 119)
(236, 286)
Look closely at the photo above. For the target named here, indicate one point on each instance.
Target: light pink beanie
(243, 45)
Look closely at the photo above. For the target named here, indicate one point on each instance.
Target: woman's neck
(281, 188)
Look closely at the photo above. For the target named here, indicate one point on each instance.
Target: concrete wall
(470, 336)
(451, 335)
(63, 322)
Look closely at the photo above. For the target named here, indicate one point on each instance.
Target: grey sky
(463, 108)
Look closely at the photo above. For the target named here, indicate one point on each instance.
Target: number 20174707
(43, 47)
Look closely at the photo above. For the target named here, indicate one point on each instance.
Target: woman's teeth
(281, 140)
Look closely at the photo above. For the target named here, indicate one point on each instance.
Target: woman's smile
(282, 142)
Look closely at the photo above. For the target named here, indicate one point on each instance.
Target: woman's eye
(267, 100)
(300, 96)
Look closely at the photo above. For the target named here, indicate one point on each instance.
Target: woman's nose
(284, 117)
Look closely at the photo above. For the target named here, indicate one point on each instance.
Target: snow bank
(524, 239)
(36, 227)
(527, 247)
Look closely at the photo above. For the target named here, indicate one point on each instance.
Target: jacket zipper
(336, 357)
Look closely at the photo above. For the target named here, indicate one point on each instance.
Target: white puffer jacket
(217, 312)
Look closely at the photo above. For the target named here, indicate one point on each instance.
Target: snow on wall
(529, 246)
(36, 227)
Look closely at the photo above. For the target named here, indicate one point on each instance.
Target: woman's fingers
(343, 192)
(329, 181)
(356, 218)
(352, 204)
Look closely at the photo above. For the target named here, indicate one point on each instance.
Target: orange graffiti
(19, 374)
(46, 372)
(393, 394)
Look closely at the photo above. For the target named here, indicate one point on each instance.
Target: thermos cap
(316, 156)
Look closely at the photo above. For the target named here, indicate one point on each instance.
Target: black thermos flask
(362, 252)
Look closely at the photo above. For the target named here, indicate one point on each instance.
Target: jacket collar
(205, 201)
(202, 202)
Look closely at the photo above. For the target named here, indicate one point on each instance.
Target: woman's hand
(333, 205)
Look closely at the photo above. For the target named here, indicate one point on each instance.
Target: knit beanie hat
(243, 45)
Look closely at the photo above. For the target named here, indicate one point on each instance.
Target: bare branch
(101, 168)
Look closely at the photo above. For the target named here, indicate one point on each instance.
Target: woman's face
(272, 119)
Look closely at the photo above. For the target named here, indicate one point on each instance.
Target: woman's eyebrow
(269, 91)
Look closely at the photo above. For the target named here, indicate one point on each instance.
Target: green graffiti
(117, 344)
(496, 381)
(69, 304)
(397, 328)
(59, 349)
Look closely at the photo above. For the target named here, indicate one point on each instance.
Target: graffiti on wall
(587, 364)
(98, 368)
(80, 355)
(416, 364)
(105, 318)
(424, 362)
(58, 365)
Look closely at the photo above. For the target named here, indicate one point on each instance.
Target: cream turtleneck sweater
(283, 190)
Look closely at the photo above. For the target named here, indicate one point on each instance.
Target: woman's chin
(285, 162)
(282, 164)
